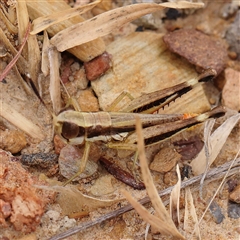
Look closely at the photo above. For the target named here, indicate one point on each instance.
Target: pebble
(235, 195)
(12, 140)
(233, 210)
(102, 186)
(58, 144)
(198, 48)
(98, 66)
(216, 212)
(170, 178)
(81, 78)
(231, 89)
(88, 101)
(233, 34)
(189, 148)
(165, 160)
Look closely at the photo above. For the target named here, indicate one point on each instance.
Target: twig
(215, 174)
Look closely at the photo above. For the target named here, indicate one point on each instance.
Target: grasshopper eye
(70, 130)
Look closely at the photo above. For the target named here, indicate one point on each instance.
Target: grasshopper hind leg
(82, 165)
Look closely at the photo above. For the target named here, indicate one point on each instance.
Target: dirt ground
(33, 202)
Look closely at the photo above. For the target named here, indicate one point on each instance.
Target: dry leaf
(72, 200)
(105, 23)
(42, 23)
(217, 140)
(190, 217)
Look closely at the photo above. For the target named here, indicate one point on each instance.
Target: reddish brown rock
(231, 90)
(21, 203)
(12, 140)
(198, 48)
(58, 144)
(98, 66)
(88, 101)
(235, 195)
(165, 160)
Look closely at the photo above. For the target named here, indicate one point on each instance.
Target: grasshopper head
(69, 131)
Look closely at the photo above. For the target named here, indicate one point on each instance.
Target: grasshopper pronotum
(116, 129)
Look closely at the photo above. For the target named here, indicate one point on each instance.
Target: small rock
(231, 90)
(26, 202)
(189, 148)
(233, 210)
(170, 178)
(69, 162)
(235, 195)
(198, 48)
(102, 186)
(98, 66)
(233, 55)
(80, 78)
(232, 183)
(58, 144)
(216, 212)
(65, 67)
(88, 101)
(165, 160)
(12, 140)
(233, 34)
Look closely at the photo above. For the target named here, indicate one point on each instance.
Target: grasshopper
(116, 129)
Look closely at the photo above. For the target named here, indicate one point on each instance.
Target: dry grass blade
(175, 197)
(217, 140)
(45, 61)
(54, 87)
(20, 121)
(107, 22)
(23, 21)
(151, 219)
(164, 222)
(17, 56)
(42, 23)
(3, 16)
(190, 216)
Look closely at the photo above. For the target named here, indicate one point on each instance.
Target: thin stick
(214, 174)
